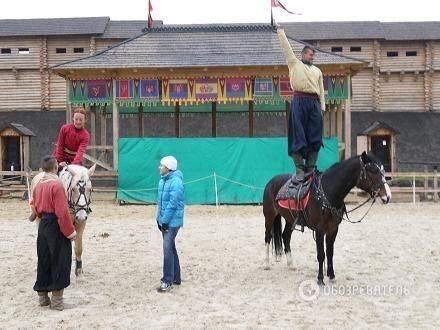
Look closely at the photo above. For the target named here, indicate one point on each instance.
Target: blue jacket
(171, 200)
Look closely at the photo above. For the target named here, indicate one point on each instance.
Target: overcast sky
(226, 11)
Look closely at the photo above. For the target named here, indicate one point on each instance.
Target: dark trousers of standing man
(54, 252)
(305, 129)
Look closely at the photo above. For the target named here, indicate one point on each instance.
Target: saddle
(294, 195)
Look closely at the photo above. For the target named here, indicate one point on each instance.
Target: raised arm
(287, 49)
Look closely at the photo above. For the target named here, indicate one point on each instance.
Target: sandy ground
(387, 272)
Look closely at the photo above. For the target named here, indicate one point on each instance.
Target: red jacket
(49, 197)
(73, 139)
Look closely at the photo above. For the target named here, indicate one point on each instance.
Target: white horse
(78, 188)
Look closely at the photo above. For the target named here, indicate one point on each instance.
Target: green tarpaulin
(229, 170)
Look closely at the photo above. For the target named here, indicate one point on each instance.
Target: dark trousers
(171, 264)
(54, 252)
(305, 126)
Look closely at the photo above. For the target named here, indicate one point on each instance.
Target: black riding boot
(299, 164)
(312, 156)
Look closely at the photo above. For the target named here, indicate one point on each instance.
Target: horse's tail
(276, 234)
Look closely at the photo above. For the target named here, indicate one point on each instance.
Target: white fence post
(414, 188)
(216, 190)
(435, 185)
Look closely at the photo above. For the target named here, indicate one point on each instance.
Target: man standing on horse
(73, 140)
(170, 209)
(305, 116)
(55, 232)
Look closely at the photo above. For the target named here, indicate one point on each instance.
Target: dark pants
(171, 265)
(305, 126)
(54, 252)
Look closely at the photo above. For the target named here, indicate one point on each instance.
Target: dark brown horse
(326, 207)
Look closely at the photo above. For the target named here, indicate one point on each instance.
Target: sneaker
(177, 282)
(164, 287)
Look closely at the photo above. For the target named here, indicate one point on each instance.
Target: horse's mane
(81, 170)
(337, 166)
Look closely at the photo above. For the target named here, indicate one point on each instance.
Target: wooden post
(375, 88)
(326, 122)
(103, 133)
(348, 120)
(115, 129)
(214, 118)
(436, 197)
(26, 152)
(333, 121)
(177, 119)
(93, 128)
(68, 105)
(339, 122)
(251, 118)
(141, 120)
(103, 126)
(426, 183)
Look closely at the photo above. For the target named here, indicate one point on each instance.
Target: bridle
(375, 187)
(341, 212)
(74, 206)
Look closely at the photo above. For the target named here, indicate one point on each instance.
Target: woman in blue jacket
(170, 208)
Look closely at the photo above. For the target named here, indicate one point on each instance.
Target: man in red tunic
(55, 232)
(73, 140)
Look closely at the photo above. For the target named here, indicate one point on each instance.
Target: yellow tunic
(303, 78)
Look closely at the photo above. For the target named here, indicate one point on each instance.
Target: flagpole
(271, 15)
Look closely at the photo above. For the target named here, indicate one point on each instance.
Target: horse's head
(79, 190)
(372, 178)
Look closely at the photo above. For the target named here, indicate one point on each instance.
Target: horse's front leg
(320, 255)
(79, 226)
(330, 241)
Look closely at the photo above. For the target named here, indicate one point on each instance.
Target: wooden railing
(16, 181)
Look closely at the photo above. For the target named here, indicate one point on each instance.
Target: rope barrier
(240, 184)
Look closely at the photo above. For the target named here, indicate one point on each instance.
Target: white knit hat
(169, 162)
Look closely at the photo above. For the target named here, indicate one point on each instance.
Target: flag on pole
(276, 3)
(150, 18)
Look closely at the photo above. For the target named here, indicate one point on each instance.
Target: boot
(299, 164)
(57, 300)
(43, 299)
(312, 156)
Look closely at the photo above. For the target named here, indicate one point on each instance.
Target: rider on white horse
(72, 143)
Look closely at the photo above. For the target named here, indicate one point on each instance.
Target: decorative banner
(178, 90)
(98, 89)
(263, 88)
(286, 91)
(90, 92)
(336, 88)
(124, 89)
(276, 86)
(206, 90)
(234, 90)
(77, 92)
(149, 89)
(165, 90)
(191, 90)
(133, 92)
